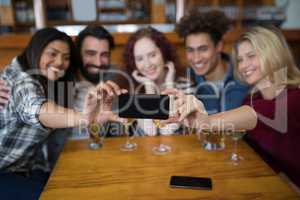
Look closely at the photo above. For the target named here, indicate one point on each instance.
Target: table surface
(109, 173)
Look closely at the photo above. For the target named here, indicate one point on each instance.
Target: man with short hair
(210, 68)
(94, 45)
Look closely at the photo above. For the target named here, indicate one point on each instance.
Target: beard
(95, 78)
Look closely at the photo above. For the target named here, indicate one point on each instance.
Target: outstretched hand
(98, 103)
(188, 109)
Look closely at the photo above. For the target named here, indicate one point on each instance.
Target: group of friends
(55, 83)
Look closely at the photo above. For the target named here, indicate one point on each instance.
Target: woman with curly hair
(152, 61)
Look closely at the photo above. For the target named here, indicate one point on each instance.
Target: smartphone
(199, 183)
(144, 106)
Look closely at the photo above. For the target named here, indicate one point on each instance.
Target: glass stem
(128, 134)
(235, 156)
(235, 147)
(158, 134)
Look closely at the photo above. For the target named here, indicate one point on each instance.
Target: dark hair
(215, 23)
(160, 40)
(95, 31)
(29, 59)
(99, 33)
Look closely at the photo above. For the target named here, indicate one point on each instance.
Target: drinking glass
(161, 148)
(129, 145)
(213, 140)
(235, 158)
(94, 130)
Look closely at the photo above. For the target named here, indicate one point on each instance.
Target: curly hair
(160, 40)
(215, 23)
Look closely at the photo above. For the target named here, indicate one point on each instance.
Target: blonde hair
(276, 60)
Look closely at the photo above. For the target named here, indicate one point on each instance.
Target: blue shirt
(215, 98)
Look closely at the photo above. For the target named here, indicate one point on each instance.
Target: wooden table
(109, 173)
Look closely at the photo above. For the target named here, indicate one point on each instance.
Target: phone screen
(144, 106)
(191, 182)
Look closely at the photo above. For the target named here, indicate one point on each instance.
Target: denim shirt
(216, 99)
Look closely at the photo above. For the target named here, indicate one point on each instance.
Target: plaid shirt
(22, 136)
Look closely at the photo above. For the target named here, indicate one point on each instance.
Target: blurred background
(21, 15)
(19, 18)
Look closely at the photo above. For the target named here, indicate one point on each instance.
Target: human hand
(4, 94)
(140, 78)
(189, 110)
(150, 86)
(170, 76)
(98, 103)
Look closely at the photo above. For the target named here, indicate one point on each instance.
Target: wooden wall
(12, 44)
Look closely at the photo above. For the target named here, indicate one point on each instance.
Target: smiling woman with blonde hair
(277, 62)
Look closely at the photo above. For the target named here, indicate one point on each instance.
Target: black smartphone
(199, 183)
(144, 106)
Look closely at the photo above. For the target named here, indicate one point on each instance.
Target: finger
(170, 65)
(135, 74)
(170, 120)
(4, 88)
(167, 65)
(91, 98)
(4, 95)
(104, 87)
(90, 95)
(92, 92)
(181, 94)
(170, 91)
(124, 91)
(179, 102)
(2, 82)
(187, 123)
(116, 118)
(185, 110)
(115, 87)
(3, 100)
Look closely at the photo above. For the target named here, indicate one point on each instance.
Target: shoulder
(294, 91)
(293, 106)
(293, 95)
(14, 75)
(21, 83)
